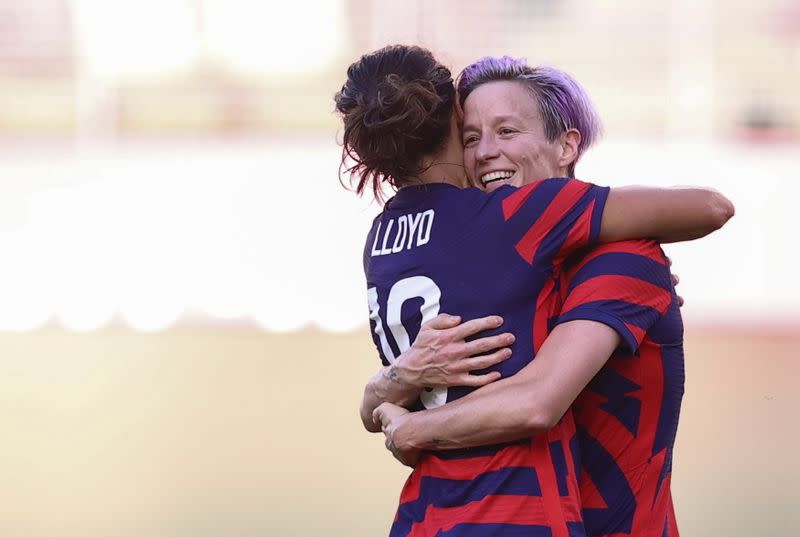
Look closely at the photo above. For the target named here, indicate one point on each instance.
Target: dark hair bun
(396, 107)
(400, 104)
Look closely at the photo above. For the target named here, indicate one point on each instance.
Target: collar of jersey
(413, 194)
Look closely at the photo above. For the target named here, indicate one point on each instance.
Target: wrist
(397, 389)
(402, 370)
(403, 434)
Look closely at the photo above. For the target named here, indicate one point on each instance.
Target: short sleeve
(554, 217)
(625, 285)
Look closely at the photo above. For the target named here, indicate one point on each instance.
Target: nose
(487, 149)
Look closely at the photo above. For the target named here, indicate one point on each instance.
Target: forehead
(500, 100)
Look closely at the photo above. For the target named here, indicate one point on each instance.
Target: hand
(389, 417)
(675, 281)
(441, 356)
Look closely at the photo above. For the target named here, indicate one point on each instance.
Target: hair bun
(396, 106)
(402, 105)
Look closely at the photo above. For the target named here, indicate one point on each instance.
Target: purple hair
(563, 103)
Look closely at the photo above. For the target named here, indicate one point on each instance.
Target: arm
(439, 356)
(664, 214)
(516, 407)
(385, 386)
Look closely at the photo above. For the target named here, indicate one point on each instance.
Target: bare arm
(385, 386)
(664, 214)
(439, 356)
(516, 407)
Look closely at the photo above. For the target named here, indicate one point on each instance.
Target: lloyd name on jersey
(410, 230)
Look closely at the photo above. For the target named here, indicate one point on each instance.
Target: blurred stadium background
(182, 314)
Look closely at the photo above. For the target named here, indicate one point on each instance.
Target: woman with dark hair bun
(438, 246)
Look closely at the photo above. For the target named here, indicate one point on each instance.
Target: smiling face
(504, 139)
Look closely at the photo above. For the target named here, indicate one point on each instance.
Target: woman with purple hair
(438, 245)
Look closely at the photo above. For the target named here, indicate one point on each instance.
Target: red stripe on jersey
(651, 395)
(410, 491)
(499, 509)
(579, 234)
(624, 288)
(548, 482)
(590, 496)
(566, 198)
(515, 201)
(569, 430)
(472, 467)
(638, 332)
(606, 429)
(649, 249)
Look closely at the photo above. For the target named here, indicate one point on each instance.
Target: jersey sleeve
(625, 285)
(552, 218)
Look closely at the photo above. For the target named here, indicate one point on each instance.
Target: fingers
(486, 344)
(377, 415)
(680, 301)
(472, 327)
(442, 322)
(475, 381)
(675, 279)
(477, 363)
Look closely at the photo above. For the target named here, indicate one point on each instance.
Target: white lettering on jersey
(403, 290)
(386, 250)
(411, 230)
(375, 242)
(402, 233)
(425, 227)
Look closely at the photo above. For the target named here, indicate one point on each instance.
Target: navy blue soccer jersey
(437, 248)
(627, 416)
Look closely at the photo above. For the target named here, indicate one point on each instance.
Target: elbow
(722, 210)
(367, 421)
(540, 422)
(539, 418)
(369, 424)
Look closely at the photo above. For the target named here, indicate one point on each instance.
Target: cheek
(469, 162)
(524, 159)
(520, 154)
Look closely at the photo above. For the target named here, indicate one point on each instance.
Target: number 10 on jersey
(403, 290)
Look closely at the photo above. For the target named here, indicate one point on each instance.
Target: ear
(570, 140)
(459, 110)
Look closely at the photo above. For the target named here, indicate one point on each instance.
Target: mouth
(494, 177)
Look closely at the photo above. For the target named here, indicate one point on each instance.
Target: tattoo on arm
(391, 374)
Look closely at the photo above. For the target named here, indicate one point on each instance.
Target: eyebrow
(495, 120)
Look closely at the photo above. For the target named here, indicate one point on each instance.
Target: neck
(444, 171)
(447, 166)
